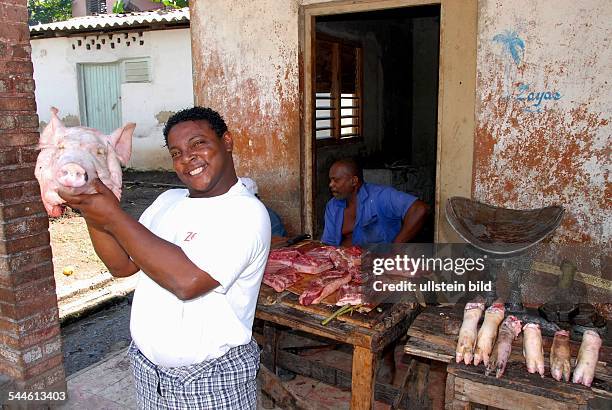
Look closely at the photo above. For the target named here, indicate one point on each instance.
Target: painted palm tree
(512, 43)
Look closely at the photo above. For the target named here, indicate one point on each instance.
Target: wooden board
(432, 335)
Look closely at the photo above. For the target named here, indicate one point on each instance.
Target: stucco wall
(146, 104)
(543, 111)
(246, 65)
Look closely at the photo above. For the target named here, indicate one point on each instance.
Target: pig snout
(72, 175)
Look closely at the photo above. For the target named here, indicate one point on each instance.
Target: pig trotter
(560, 356)
(532, 348)
(488, 332)
(587, 358)
(467, 333)
(508, 331)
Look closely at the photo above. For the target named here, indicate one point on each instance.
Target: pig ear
(50, 135)
(121, 140)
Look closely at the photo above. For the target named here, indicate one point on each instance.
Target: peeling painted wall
(245, 60)
(543, 112)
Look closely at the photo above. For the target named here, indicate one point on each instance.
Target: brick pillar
(30, 344)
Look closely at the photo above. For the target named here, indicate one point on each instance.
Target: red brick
(28, 121)
(23, 309)
(10, 340)
(10, 355)
(11, 193)
(25, 261)
(32, 355)
(18, 104)
(5, 50)
(14, 13)
(43, 366)
(7, 295)
(29, 155)
(23, 244)
(7, 122)
(52, 380)
(19, 278)
(25, 86)
(9, 157)
(10, 176)
(30, 339)
(25, 208)
(12, 371)
(18, 32)
(8, 327)
(22, 227)
(40, 321)
(52, 347)
(22, 51)
(35, 290)
(19, 139)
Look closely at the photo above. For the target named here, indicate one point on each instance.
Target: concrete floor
(108, 385)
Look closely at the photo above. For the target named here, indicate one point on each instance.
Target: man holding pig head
(201, 253)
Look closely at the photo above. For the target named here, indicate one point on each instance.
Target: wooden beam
(362, 385)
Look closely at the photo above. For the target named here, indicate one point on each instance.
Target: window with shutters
(137, 70)
(338, 90)
(96, 7)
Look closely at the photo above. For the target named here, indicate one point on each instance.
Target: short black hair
(353, 166)
(196, 113)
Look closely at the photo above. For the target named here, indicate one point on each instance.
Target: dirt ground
(70, 241)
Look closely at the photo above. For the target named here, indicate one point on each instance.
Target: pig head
(71, 157)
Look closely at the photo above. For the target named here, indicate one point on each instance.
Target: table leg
(362, 392)
(268, 359)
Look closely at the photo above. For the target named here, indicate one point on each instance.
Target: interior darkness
(400, 103)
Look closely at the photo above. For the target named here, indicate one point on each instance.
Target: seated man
(361, 213)
(278, 229)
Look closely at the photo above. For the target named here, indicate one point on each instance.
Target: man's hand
(98, 209)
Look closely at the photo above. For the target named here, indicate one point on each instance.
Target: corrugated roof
(114, 21)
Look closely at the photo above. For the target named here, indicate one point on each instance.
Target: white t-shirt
(227, 236)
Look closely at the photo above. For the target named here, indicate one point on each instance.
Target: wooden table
(433, 335)
(368, 333)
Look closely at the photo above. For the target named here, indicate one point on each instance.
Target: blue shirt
(380, 212)
(278, 229)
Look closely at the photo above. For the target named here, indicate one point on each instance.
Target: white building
(103, 71)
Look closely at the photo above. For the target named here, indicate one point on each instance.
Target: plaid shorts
(228, 382)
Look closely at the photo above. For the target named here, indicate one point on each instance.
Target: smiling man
(201, 253)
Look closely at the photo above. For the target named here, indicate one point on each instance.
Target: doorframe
(456, 99)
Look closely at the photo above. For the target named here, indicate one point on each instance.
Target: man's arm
(413, 221)
(111, 253)
(161, 260)
(328, 236)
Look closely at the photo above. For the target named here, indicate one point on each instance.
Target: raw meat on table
(284, 256)
(508, 331)
(282, 278)
(323, 286)
(351, 294)
(71, 158)
(533, 350)
(560, 356)
(468, 332)
(587, 358)
(321, 251)
(274, 266)
(346, 258)
(312, 266)
(488, 333)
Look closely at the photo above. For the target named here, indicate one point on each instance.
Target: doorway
(405, 76)
(100, 96)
